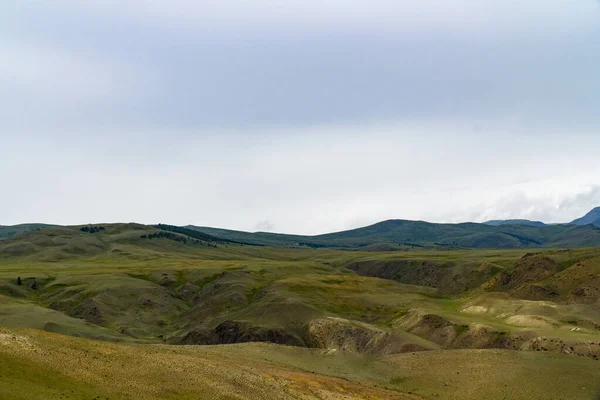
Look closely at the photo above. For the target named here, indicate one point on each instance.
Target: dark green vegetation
(369, 324)
(185, 232)
(91, 229)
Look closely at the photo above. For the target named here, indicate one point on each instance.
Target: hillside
(10, 231)
(498, 222)
(419, 233)
(400, 235)
(319, 323)
(186, 292)
(39, 365)
(591, 218)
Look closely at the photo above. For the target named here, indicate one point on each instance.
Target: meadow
(115, 314)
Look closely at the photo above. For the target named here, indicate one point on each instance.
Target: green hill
(398, 234)
(10, 231)
(338, 323)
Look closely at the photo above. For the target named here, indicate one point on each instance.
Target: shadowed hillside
(591, 218)
(418, 233)
(514, 222)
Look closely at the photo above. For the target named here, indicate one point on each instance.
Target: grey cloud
(559, 207)
(302, 82)
(317, 119)
(581, 203)
(184, 79)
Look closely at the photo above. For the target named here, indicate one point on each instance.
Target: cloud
(560, 202)
(344, 15)
(264, 226)
(320, 115)
(191, 65)
(48, 87)
(557, 208)
(311, 181)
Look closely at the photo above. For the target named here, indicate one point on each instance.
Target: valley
(295, 322)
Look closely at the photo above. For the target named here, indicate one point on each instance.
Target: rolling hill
(10, 231)
(399, 234)
(216, 319)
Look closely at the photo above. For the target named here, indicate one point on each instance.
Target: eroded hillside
(128, 283)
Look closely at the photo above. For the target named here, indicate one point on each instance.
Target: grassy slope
(136, 284)
(270, 282)
(14, 230)
(40, 365)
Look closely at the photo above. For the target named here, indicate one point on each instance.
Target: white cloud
(264, 226)
(558, 200)
(314, 180)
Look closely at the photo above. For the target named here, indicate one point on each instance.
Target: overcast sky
(299, 117)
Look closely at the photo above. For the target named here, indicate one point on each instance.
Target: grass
(99, 369)
(43, 365)
(135, 295)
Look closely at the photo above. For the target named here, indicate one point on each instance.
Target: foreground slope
(36, 365)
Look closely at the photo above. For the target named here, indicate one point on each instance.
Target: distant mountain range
(498, 222)
(404, 234)
(513, 233)
(591, 218)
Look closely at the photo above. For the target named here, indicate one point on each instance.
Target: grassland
(226, 320)
(37, 365)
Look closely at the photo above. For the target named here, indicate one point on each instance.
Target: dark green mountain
(498, 222)
(591, 218)
(419, 233)
(398, 234)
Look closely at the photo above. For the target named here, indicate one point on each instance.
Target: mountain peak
(591, 218)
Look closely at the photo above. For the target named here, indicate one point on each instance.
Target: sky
(298, 117)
